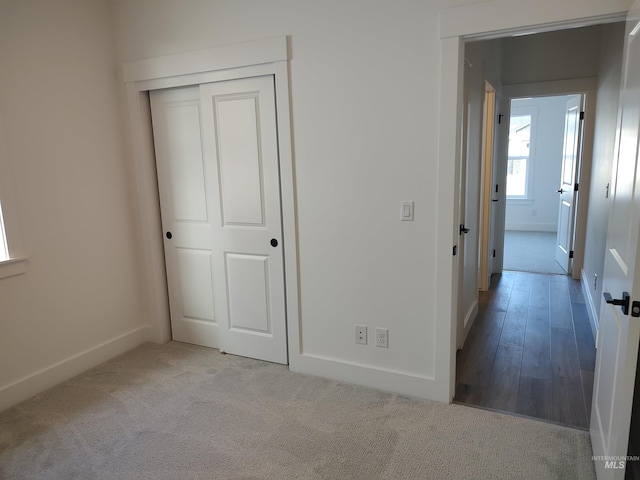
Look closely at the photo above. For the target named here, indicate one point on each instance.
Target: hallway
(530, 350)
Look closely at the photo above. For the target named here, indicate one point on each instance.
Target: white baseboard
(469, 319)
(531, 227)
(392, 381)
(52, 375)
(591, 308)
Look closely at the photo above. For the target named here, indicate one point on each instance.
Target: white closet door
(240, 142)
(186, 203)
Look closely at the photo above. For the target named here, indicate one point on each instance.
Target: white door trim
(262, 57)
(456, 26)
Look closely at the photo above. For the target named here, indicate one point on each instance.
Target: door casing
(588, 87)
(456, 27)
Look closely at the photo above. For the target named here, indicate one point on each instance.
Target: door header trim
(238, 55)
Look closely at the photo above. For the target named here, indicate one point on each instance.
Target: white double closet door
(218, 179)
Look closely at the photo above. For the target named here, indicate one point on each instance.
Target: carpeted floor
(182, 412)
(531, 252)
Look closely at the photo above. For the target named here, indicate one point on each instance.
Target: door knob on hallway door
(622, 302)
(463, 229)
(560, 190)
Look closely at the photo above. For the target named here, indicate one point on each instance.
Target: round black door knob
(274, 242)
(169, 235)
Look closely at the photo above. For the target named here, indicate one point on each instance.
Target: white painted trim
(13, 266)
(531, 227)
(263, 57)
(446, 271)
(468, 323)
(9, 221)
(210, 60)
(501, 18)
(394, 381)
(289, 211)
(492, 19)
(52, 375)
(591, 308)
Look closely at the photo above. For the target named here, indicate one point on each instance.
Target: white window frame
(11, 261)
(532, 111)
(4, 248)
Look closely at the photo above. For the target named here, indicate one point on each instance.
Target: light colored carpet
(183, 412)
(531, 252)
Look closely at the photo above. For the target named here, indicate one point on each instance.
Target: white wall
(550, 56)
(539, 213)
(604, 141)
(79, 301)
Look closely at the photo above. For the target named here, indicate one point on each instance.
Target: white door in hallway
(186, 204)
(619, 333)
(218, 176)
(570, 157)
(240, 145)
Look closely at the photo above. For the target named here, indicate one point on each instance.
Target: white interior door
(619, 333)
(186, 206)
(463, 278)
(240, 143)
(570, 157)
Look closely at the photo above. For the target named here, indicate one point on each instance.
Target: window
(522, 126)
(518, 157)
(11, 262)
(9, 265)
(4, 249)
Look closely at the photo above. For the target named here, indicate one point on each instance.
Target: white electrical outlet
(361, 334)
(382, 337)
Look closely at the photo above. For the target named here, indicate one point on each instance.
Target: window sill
(13, 266)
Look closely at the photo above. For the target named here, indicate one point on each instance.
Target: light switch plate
(406, 212)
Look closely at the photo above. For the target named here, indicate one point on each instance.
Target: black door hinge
(455, 250)
(497, 188)
(581, 115)
(500, 118)
(571, 254)
(494, 254)
(575, 187)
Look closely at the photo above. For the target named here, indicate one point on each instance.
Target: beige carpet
(531, 252)
(182, 412)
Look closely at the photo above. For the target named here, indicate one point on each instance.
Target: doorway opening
(543, 147)
(530, 349)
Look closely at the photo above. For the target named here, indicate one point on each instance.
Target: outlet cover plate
(361, 334)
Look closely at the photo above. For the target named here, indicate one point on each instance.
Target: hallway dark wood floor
(530, 350)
